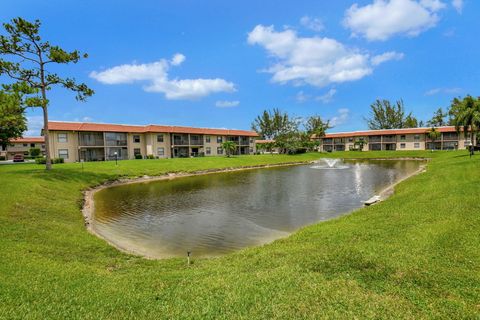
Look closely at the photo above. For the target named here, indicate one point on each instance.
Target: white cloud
(342, 117)
(156, 74)
(177, 59)
(458, 5)
(449, 91)
(315, 61)
(314, 24)
(227, 104)
(385, 18)
(387, 56)
(83, 119)
(34, 125)
(301, 97)
(327, 97)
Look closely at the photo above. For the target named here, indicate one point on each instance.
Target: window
(136, 139)
(26, 153)
(159, 137)
(63, 153)
(43, 146)
(136, 151)
(350, 139)
(402, 145)
(208, 150)
(207, 139)
(32, 145)
(62, 137)
(416, 145)
(250, 150)
(160, 152)
(402, 137)
(416, 137)
(219, 139)
(25, 144)
(251, 140)
(219, 150)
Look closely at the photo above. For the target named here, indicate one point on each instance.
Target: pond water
(214, 214)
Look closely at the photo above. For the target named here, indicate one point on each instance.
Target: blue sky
(220, 63)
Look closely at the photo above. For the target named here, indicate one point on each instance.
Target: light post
(116, 158)
(469, 147)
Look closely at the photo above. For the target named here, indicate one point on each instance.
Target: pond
(214, 214)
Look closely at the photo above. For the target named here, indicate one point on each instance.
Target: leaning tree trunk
(46, 134)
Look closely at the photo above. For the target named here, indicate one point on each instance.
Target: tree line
(293, 134)
(287, 133)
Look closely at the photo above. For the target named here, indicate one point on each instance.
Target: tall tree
(27, 58)
(410, 122)
(12, 118)
(465, 114)
(384, 115)
(438, 119)
(316, 126)
(271, 124)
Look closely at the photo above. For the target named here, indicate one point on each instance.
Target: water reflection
(215, 214)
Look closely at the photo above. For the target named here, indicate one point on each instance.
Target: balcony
(90, 139)
(374, 139)
(180, 140)
(244, 141)
(389, 139)
(196, 140)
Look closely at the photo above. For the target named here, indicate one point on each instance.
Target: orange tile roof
(82, 126)
(28, 140)
(386, 132)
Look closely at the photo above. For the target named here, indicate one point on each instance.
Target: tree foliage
(272, 124)
(24, 58)
(12, 118)
(465, 115)
(385, 115)
(433, 134)
(230, 147)
(438, 119)
(314, 125)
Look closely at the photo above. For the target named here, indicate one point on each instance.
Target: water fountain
(330, 164)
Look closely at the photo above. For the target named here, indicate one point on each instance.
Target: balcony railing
(374, 139)
(180, 142)
(196, 142)
(389, 139)
(91, 139)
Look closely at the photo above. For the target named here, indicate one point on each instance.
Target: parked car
(18, 158)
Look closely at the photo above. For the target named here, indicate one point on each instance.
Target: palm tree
(230, 147)
(466, 115)
(433, 134)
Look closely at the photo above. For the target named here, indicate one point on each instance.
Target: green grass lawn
(416, 255)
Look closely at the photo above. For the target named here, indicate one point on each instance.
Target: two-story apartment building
(395, 139)
(22, 146)
(76, 141)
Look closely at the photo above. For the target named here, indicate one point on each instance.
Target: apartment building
(22, 146)
(76, 141)
(395, 139)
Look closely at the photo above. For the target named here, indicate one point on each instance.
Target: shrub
(40, 160)
(2, 158)
(138, 156)
(150, 156)
(34, 152)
